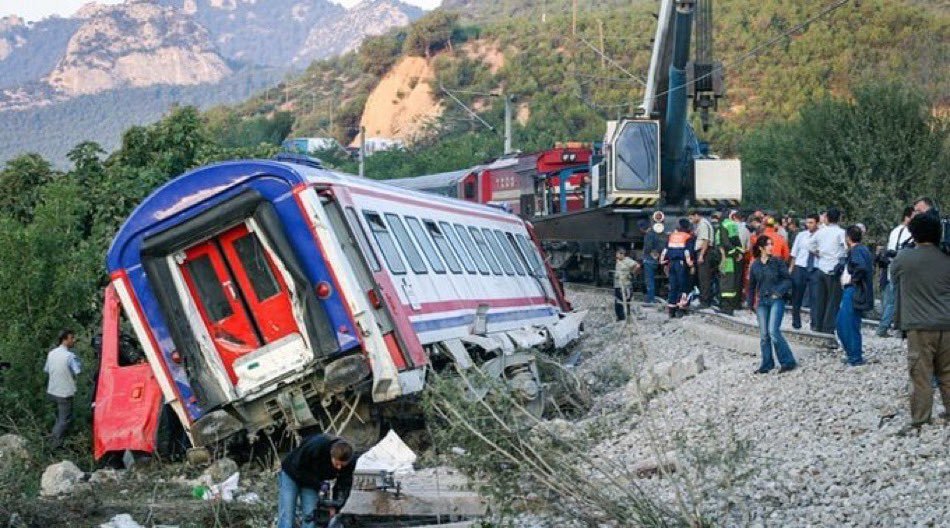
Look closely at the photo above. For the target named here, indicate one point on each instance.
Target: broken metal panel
(567, 330)
(527, 338)
(456, 349)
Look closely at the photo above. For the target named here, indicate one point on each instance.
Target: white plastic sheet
(390, 455)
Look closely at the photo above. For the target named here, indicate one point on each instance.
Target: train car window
(251, 254)
(459, 246)
(499, 253)
(531, 254)
(512, 253)
(423, 240)
(469, 244)
(408, 248)
(443, 245)
(483, 247)
(362, 240)
(210, 291)
(385, 240)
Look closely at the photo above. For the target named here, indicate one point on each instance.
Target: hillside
(139, 57)
(567, 91)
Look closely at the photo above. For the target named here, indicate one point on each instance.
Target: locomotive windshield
(636, 156)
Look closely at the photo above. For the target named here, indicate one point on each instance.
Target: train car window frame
(469, 244)
(404, 239)
(385, 242)
(506, 240)
(428, 248)
(250, 253)
(209, 289)
(498, 251)
(537, 265)
(459, 246)
(362, 240)
(485, 249)
(443, 245)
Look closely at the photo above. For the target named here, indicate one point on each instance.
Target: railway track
(732, 323)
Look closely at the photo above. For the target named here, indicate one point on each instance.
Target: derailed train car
(278, 294)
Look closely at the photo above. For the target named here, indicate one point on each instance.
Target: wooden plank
(416, 503)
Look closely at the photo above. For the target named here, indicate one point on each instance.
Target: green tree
(870, 156)
(20, 184)
(431, 33)
(377, 54)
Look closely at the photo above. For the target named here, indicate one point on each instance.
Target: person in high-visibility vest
(729, 245)
(677, 256)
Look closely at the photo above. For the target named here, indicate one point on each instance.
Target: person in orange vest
(677, 255)
(779, 243)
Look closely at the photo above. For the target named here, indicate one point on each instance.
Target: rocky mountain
(368, 18)
(260, 32)
(153, 46)
(134, 45)
(177, 42)
(30, 52)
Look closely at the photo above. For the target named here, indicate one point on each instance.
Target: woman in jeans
(769, 282)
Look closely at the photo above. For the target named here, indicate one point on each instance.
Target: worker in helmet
(729, 245)
(677, 256)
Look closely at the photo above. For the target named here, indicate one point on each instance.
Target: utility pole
(508, 99)
(362, 152)
(574, 19)
(603, 48)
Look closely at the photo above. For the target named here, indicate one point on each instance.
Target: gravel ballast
(814, 447)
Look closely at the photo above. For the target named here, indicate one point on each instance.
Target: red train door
(243, 300)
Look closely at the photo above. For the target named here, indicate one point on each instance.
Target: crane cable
(830, 8)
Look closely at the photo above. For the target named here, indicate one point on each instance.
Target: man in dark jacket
(318, 459)
(922, 278)
(857, 296)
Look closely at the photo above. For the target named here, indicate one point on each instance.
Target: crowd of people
(723, 259)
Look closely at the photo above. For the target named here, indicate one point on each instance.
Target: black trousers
(705, 276)
(824, 310)
(621, 305)
(800, 277)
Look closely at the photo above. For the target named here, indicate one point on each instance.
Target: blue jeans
(649, 279)
(679, 278)
(770, 312)
(288, 492)
(888, 306)
(848, 326)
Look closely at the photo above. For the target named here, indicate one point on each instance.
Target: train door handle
(228, 285)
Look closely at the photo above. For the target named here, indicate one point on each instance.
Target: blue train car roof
(196, 187)
(428, 181)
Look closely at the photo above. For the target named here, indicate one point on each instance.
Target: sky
(32, 10)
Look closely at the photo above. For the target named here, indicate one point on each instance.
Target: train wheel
(524, 385)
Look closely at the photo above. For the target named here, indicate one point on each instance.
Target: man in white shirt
(898, 239)
(62, 366)
(828, 246)
(801, 268)
(704, 242)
